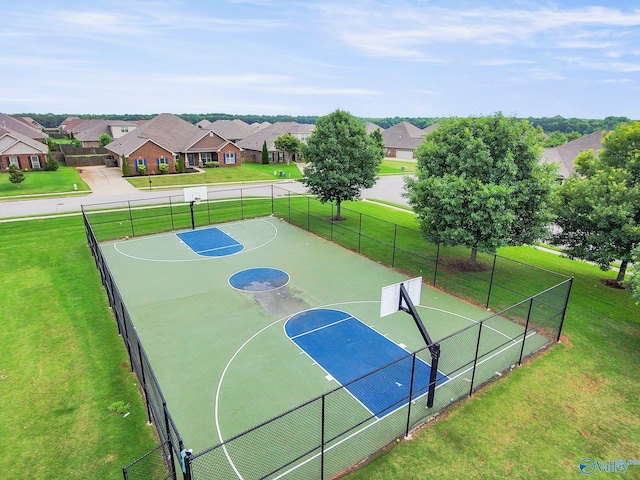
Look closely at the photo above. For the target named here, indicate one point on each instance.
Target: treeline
(549, 124)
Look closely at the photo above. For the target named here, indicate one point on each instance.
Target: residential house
(20, 150)
(252, 145)
(401, 140)
(234, 130)
(16, 125)
(564, 155)
(370, 127)
(89, 131)
(165, 138)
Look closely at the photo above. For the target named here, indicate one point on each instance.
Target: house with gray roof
(252, 145)
(89, 131)
(22, 128)
(164, 139)
(564, 155)
(20, 150)
(401, 140)
(234, 130)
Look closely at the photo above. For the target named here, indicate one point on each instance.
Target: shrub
(211, 164)
(126, 169)
(180, 164)
(51, 165)
(163, 168)
(142, 169)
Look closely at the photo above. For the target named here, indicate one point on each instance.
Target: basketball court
(246, 320)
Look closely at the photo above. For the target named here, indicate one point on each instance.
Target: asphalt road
(109, 187)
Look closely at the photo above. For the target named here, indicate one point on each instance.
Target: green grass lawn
(247, 172)
(43, 182)
(62, 365)
(397, 167)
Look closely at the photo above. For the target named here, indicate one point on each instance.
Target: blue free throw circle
(259, 279)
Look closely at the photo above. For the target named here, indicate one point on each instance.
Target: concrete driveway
(106, 181)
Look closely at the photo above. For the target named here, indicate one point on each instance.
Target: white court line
(349, 317)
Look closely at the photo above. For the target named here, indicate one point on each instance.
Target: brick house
(19, 150)
(164, 139)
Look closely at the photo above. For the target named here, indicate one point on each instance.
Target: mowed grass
(62, 363)
(43, 182)
(397, 167)
(247, 172)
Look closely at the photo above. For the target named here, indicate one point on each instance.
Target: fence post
(413, 370)
(564, 309)
(526, 327)
(133, 233)
(331, 235)
(475, 359)
(360, 232)
(393, 251)
(322, 440)
(289, 206)
(144, 382)
(273, 210)
(241, 205)
(308, 214)
(171, 214)
(435, 270)
(493, 270)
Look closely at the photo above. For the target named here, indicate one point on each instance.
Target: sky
(373, 58)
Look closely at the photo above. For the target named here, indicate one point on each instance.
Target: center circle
(260, 279)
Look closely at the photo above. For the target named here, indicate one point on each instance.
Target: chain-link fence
(331, 433)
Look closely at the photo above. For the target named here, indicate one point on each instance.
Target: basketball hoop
(197, 199)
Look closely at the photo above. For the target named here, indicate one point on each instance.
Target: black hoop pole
(193, 222)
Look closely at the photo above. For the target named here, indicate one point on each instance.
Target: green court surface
(221, 355)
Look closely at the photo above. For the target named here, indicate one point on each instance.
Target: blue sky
(374, 58)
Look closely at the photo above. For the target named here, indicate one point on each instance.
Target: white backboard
(390, 295)
(193, 194)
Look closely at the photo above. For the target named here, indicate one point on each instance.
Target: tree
(265, 153)
(479, 183)
(104, 139)
(16, 176)
(343, 159)
(288, 144)
(598, 207)
(126, 168)
(180, 166)
(555, 139)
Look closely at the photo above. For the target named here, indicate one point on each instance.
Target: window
(229, 158)
(13, 160)
(162, 160)
(124, 129)
(141, 162)
(206, 157)
(35, 161)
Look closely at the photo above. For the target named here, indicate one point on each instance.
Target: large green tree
(343, 159)
(104, 139)
(479, 183)
(598, 207)
(288, 144)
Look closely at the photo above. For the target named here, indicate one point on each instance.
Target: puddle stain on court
(280, 302)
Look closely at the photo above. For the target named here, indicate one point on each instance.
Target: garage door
(404, 154)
